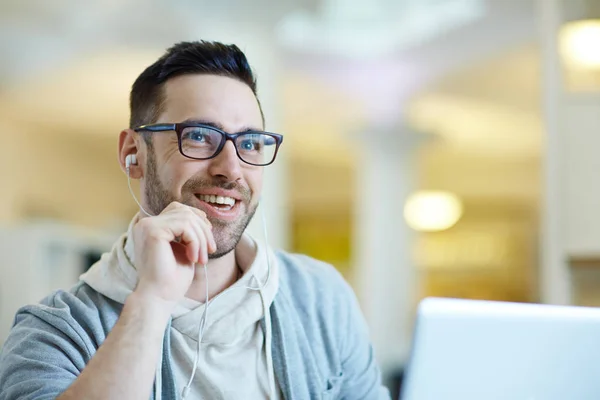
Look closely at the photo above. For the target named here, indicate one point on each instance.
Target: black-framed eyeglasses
(202, 142)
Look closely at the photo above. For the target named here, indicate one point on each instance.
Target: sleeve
(41, 357)
(361, 373)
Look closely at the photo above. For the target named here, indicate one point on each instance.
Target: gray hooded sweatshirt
(233, 341)
(319, 343)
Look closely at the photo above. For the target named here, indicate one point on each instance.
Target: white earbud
(131, 159)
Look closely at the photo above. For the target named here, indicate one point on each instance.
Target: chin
(226, 240)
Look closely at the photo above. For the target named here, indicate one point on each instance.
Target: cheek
(170, 170)
(175, 176)
(255, 182)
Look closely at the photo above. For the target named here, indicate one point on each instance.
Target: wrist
(156, 306)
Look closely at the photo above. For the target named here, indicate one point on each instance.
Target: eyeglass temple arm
(156, 127)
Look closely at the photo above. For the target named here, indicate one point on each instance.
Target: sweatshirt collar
(230, 313)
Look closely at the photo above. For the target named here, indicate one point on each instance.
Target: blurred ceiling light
(432, 211)
(359, 28)
(578, 43)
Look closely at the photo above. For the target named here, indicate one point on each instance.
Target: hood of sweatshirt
(230, 314)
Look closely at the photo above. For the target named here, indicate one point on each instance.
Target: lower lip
(224, 214)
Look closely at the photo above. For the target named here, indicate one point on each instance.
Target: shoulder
(80, 301)
(54, 338)
(79, 312)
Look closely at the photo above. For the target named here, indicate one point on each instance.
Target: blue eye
(200, 136)
(200, 142)
(249, 145)
(197, 135)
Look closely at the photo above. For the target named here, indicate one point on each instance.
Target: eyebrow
(219, 126)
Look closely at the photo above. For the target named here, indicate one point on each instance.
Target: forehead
(221, 100)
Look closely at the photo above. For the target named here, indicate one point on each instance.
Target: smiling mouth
(223, 203)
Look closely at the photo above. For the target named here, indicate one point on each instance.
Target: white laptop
(484, 350)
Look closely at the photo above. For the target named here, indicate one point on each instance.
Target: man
(186, 304)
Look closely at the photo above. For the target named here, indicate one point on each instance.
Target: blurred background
(432, 147)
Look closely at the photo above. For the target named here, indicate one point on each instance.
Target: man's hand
(166, 248)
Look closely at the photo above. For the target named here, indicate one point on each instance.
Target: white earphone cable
(186, 389)
(133, 195)
(266, 249)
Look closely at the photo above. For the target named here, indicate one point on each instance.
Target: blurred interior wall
(49, 176)
(9, 159)
(571, 214)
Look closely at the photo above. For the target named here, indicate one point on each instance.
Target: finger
(210, 239)
(207, 229)
(206, 240)
(173, 206)
(202, 240)
(204, 226)
(185, 231)
(202, 215)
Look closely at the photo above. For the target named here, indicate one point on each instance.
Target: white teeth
(209, 198)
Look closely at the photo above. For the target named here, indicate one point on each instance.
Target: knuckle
(144, 225)
(146, 230)
(174, 205)
(189, 225)
(190, 228)
(201, 213)
(188, 217)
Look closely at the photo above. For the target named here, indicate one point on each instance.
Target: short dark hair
(146, 101)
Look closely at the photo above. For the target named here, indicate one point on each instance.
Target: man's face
(226, 103)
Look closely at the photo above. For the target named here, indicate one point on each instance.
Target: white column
(384, 271)
(554, 272)
(571, 212)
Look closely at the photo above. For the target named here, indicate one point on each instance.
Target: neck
(222, 273)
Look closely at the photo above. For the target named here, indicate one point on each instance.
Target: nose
(226, 164)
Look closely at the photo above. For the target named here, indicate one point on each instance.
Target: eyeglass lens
(253, 147)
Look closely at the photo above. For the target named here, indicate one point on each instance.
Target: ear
(129, 143)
